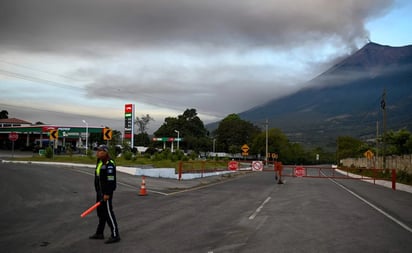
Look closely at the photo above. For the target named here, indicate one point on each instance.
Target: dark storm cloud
(102, 32)
(95, 26)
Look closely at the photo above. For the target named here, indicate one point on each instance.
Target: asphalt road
(41, 206)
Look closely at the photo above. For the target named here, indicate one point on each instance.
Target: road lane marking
(403, 225)
(259, 208)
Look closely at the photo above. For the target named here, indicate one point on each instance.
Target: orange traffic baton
(90, 209)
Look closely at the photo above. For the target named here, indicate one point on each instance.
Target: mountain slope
(345, 100)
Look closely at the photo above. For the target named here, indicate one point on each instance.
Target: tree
(143, 122)
(233, 131)
(290, 153)
(349, 147)
(276, 140)
(142, 138)
(4, 114)
(190, 128)
(324, 156)
(399, 143)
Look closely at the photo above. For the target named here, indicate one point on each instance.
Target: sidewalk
(388, 184)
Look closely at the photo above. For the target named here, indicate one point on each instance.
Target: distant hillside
(345, 100)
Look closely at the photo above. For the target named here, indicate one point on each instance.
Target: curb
(134, 171)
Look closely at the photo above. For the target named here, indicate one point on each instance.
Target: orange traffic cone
(143, 191)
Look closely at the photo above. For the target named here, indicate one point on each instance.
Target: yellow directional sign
(54, 135)
(107, 134)
(245, 148)
(368, 154)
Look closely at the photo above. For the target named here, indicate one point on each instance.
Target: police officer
(105, 184)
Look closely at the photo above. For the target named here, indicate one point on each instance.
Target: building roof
(14, 121)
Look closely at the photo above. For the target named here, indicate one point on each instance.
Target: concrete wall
(392, 162)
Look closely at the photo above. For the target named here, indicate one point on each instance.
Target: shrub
(404, 177)
(69, 150)
(48, 152)
(127, 155)
(90, 153)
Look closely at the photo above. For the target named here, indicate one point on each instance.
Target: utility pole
(266, 155)
(377, 145)
(383, 106)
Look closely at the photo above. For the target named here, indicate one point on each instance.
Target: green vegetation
(230, 135)
(121, 161)
(402, 176)
(48, 152)
(190, 128)
(396, 143)
(161, 160)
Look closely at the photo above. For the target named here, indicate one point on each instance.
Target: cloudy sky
(64, 61)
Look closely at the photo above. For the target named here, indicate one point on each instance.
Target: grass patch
(188, 166)
(120, 161)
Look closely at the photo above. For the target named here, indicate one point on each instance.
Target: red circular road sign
(13, 136)
(257, 166)
(299, 171)
(233, 165)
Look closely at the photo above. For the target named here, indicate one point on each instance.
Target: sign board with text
(299, 171)
(233, 165)
(129, 122)
(168, 139)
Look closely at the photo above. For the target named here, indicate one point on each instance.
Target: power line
(37, 70)
(37, 79)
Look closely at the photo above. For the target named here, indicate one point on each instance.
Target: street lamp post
(178, 138)
(266, 155)
(87, 134)
(214, 146)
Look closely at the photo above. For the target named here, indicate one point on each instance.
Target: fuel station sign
(129, 122)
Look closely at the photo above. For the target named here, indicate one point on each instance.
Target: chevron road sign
(107, 134)
(54, 134)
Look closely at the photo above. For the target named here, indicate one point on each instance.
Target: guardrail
(280, 171)
(200, 167)
(334, 173)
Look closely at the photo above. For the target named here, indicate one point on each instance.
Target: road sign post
(13, 136)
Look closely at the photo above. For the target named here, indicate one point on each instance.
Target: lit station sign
(168, 139)
(129, 122)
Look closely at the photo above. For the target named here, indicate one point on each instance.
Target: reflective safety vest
(99, 166)
(105, 177)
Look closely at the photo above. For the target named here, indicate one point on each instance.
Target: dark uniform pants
(106, 215)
